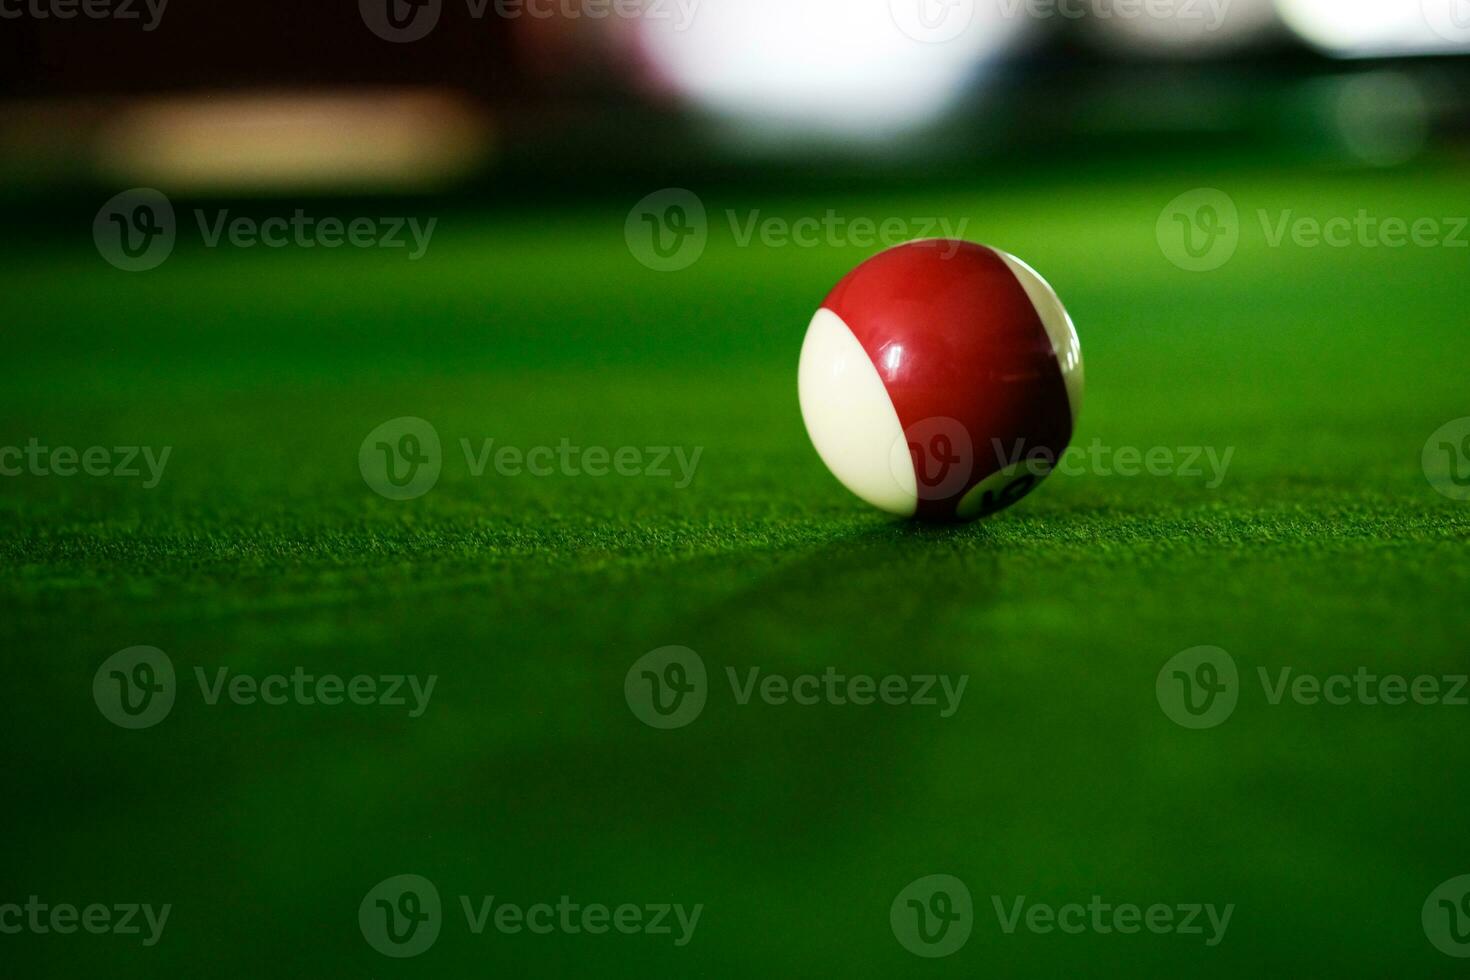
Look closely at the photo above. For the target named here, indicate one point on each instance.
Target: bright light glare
(1369, 28)
(847, 68)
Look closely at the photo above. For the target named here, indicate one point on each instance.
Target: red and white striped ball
(941, 380)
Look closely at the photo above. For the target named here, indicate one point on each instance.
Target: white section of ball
(850, 417)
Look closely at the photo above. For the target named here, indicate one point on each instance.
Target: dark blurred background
(506, 98)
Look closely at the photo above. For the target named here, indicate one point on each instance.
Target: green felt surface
(1323, 549)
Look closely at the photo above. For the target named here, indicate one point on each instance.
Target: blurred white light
(1372, 28)
(1182, 27)
(847, 68)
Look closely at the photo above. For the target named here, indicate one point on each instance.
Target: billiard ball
(941, 380)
